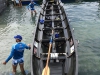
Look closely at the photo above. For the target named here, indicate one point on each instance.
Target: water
(15, 21)
(84, 18)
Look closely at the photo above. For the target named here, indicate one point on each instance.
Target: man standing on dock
(17, 52)
(31, 7)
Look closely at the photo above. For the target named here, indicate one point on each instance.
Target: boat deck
(55, 19)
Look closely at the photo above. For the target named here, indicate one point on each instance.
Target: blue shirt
(31, 5)
(17, 51)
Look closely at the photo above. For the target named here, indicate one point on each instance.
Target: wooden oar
(46, 70)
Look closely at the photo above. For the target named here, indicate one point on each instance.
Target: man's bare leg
(22, 68)
(31, 12)
(35, 12)
(20, 2)
(14, 69)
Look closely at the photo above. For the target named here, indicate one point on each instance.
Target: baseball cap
(18, 37)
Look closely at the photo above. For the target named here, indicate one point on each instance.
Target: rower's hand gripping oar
(46, 70)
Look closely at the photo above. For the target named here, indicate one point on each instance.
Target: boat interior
(63, 54)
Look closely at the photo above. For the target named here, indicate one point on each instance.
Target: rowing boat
(63, 53)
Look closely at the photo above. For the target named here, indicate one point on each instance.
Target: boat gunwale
(75, 44)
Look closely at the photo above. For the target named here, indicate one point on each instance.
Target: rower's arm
(28, 6)
(35, 3)
(27, 47)
(11, 54)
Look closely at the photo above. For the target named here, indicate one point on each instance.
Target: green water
(15, 21)
(84, 18)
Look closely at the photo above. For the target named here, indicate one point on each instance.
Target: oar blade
(46, 71)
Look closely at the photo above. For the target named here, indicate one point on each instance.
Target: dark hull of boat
(63, 56)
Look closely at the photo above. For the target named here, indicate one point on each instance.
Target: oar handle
(50, 45)
(48, 54)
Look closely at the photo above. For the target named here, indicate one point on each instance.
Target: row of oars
(46, 70)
